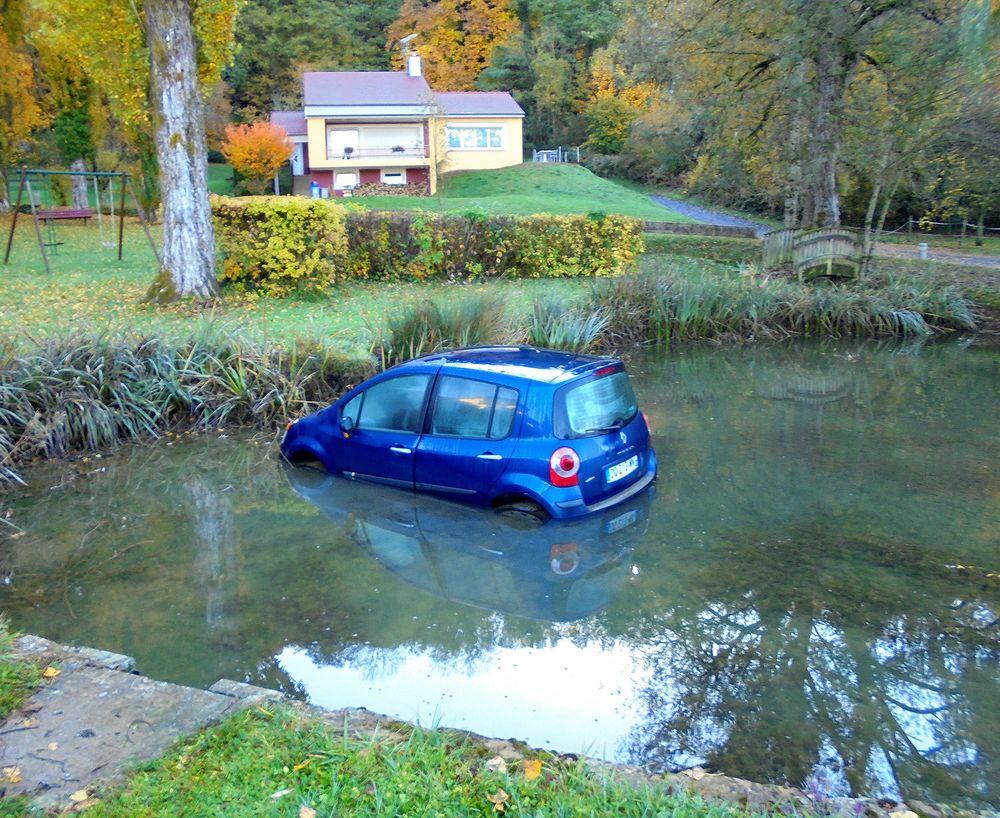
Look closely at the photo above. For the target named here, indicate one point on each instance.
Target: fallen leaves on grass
(499, 800)
(50, 672)
(532, 768)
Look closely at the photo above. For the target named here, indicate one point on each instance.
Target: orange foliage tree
(456, 38)
(257, 151)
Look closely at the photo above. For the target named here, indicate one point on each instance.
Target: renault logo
(624, 438)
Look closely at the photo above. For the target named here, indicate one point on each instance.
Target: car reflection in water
(552, 572)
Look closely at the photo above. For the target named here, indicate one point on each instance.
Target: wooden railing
(829, 251)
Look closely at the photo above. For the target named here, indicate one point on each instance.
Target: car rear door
(470, 436)
(386, 418)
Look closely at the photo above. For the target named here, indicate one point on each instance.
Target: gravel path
(706, 216)
(937, 254)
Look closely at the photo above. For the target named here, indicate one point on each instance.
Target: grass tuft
(273, 762)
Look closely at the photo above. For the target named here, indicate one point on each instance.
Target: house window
(345, 181)
(394, 177)
(342, 143)
(474, 137)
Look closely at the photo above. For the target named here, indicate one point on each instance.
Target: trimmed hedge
(279, 243)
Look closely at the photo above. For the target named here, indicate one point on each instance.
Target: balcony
(380, 153)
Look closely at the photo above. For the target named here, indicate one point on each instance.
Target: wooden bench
(83, 213)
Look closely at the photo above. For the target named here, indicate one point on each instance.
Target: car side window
(352, 409)
(394, 405)
(467, 408)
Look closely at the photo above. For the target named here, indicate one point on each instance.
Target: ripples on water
(811, 595)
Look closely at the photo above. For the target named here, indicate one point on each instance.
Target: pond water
(811, 596)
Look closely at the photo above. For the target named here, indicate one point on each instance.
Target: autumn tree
(20, 110)
(155, 63)
(773, 83)
(456, 39)
(257, 151)
(278, 39)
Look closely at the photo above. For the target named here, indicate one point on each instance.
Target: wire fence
(959, 231)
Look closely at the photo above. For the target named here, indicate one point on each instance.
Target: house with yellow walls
(389, 128)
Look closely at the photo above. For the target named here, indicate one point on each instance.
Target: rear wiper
(612, 427)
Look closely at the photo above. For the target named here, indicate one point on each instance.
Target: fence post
(961, 236)
(909, 230)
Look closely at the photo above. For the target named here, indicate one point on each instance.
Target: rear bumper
(577, 508)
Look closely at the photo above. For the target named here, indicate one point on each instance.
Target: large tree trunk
(81, 201)
(179, 133)
(821, 199)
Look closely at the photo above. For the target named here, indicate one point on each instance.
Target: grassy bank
(527, 189)
(17, 676)
(272, 762)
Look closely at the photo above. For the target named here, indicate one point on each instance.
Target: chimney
(413, 67)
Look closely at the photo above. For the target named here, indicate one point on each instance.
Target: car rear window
(594, 406)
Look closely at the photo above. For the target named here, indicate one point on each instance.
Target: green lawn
(90, 289)
(220, 179)
(271, 762)
(526, 189)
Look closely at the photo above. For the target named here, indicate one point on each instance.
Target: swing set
(45, 213)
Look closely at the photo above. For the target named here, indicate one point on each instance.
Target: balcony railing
(377, 152)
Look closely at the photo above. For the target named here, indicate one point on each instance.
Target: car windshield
(595, 406)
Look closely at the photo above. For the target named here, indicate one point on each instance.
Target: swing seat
(65, 213)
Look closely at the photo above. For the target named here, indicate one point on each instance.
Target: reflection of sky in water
(565, 696)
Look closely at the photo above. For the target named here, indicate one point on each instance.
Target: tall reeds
(92, 392)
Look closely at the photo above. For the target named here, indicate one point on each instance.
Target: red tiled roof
(364, 88)
(292, 121)
(478, 103)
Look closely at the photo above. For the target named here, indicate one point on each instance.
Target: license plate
(621, 521)
(623, 469)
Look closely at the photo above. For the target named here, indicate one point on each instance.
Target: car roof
(521, 362)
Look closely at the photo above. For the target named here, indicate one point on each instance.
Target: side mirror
(347, 425)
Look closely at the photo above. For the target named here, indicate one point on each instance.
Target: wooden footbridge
(826, 251)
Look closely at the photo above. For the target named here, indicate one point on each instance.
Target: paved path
(706, 216)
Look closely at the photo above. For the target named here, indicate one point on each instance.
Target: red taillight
(648, 427)
(564, 465)
(606, 371)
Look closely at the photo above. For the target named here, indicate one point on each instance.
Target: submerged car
(528, 431)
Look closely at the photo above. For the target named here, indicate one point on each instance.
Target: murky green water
(812, 596)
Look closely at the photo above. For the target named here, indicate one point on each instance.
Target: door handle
(400, 450)
(489, 456)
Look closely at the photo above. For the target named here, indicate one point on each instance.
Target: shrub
(382, 189)
(387, 245)
(556, 325)
(280, 243)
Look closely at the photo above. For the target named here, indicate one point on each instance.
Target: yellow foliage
(455, 38)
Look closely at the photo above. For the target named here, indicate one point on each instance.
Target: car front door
(385, 421)
(470, 436)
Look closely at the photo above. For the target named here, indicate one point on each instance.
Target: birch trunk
(81, 201)
(179, 133)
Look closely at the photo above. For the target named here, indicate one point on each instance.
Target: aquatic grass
(669, 305)
(92, 392)
(556, 325)
(428, 325)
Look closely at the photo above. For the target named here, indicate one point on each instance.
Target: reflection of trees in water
(810, 652)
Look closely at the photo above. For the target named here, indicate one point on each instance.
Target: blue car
(531, 432)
